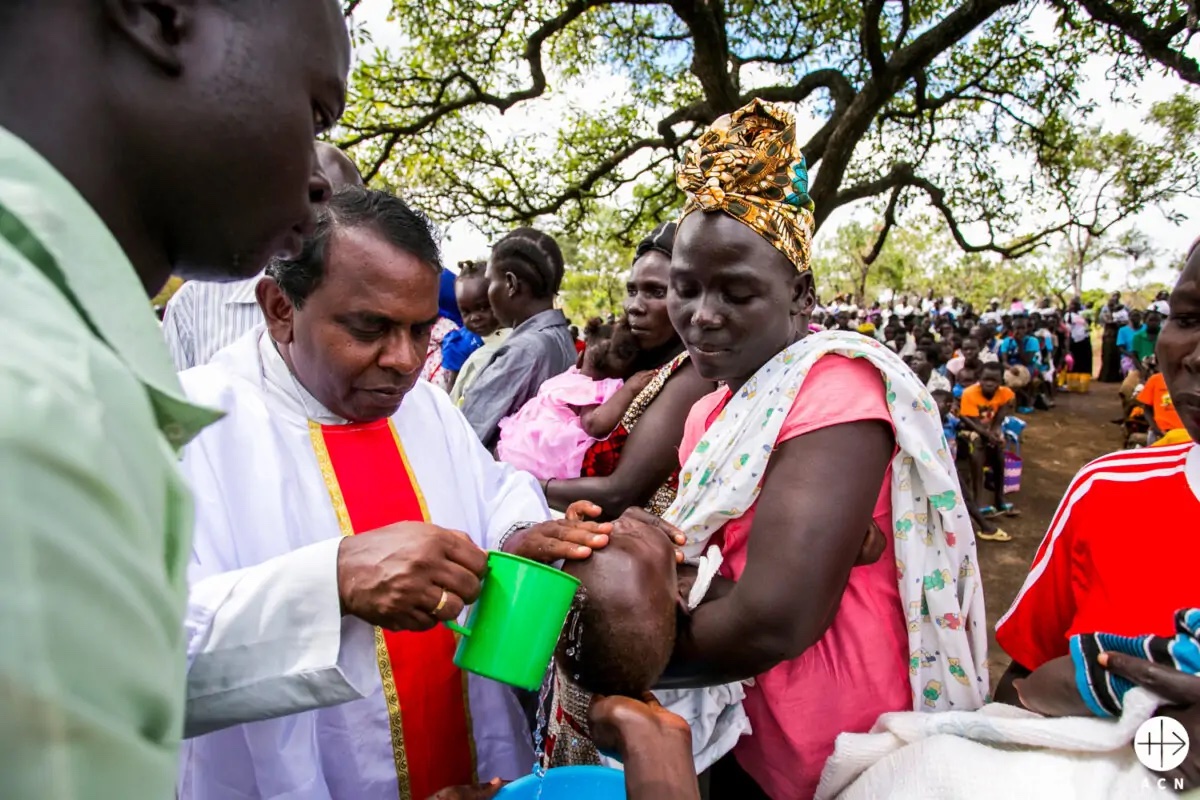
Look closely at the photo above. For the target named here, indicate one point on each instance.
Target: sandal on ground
(998, 536)
(1009, 510)
(990, 512)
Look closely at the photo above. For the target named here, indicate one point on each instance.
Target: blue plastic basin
(569, 783)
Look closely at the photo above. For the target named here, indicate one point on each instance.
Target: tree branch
(905, 22)
(889, 222)
(828, 78)
(900, 175)
(1021, 247)
(904, 64)
(477, 96)
(710, 51)
(1155, 43)
(870, 37)
(959, 23)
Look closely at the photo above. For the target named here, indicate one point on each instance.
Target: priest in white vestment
(317, 499)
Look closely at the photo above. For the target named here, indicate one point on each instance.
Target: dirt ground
(1056, 445)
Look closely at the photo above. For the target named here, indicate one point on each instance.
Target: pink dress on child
(546, 437)
(859, 668)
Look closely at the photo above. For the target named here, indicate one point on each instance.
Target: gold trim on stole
(390, 695)
(412, 479)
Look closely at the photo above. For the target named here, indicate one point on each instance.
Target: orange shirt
(1155, 395)
(1119, 556)
(974, 404)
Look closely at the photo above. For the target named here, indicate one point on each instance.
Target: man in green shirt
(1145, 340)
(137, 139)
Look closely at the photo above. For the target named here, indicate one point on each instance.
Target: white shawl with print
(935, 541)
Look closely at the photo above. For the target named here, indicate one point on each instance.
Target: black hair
(992, 366)
(597, 329)
(403, 227)
(660, 240)
(938, 394)
(534, 257)
(470, 270)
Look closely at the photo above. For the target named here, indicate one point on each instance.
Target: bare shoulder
(685, 383)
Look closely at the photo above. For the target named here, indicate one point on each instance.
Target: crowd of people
(226, 579)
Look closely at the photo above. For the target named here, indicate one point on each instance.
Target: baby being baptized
(619, 639)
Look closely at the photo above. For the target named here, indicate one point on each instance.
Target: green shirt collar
(47, 220)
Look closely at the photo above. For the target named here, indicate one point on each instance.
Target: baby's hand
(1051, 690)
(481, 791)
(873, 547)
(641, 380)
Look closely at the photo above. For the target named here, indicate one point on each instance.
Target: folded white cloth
(997, 752)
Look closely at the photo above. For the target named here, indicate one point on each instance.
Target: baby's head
(625, 631)
(611, 349)
(471, 293)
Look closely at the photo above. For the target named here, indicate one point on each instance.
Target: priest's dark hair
(355, 207)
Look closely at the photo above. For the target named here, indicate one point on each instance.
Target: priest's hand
(571, 539)
(408, 576)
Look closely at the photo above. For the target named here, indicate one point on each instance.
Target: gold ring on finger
(442, 602)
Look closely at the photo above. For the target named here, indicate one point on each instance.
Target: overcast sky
(464, 241)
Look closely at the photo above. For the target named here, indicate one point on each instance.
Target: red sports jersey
(1120, 555)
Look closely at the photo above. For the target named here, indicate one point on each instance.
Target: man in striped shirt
(1121, 553)
(204, 317)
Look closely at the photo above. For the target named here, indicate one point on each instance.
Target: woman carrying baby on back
(550, 434)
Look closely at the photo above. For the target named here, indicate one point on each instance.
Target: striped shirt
(1120, 555)
(204, 317)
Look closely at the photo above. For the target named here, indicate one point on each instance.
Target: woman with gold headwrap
(815, 437)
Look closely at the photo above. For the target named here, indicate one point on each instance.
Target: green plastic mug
(515, 624)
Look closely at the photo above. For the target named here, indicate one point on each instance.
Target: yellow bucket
(1078, 382)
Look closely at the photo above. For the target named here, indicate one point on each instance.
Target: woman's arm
(650, 454)
(817, 499)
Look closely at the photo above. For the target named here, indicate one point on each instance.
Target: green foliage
(597, 267)
(919, 258)
(1094, 298)
(1104, 178)
(511, 111)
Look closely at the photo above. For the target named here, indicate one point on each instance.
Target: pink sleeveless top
(859, 668)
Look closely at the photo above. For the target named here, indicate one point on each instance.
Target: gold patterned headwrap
(748, 165)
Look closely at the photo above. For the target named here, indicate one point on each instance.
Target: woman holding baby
(811, 438)
(637, 464)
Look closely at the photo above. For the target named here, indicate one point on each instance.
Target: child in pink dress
(551, 433)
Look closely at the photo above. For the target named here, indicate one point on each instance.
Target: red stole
(372, 485)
